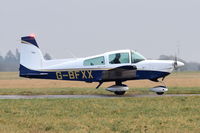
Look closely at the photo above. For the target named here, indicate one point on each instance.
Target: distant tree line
(10, 63)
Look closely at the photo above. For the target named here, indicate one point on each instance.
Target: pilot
(116, 59)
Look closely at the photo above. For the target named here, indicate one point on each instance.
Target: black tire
(119, 92)
(159, 93)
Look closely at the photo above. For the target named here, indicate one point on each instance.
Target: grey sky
(87, 27)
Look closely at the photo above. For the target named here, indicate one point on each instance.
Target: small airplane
(115, 66)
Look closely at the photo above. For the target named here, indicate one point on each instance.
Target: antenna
(178, 48)
(177, 55)
(71, 54)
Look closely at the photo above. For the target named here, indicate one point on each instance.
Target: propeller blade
(175, 62)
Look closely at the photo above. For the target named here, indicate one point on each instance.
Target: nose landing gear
(159, 90)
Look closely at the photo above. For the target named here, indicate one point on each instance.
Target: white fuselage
(78, 63)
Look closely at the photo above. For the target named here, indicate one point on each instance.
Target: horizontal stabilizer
(25, 72)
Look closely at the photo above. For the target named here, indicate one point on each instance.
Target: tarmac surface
(89, 96)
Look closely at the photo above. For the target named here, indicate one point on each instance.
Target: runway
(89, 96)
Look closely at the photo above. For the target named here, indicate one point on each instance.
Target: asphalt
(89, 96)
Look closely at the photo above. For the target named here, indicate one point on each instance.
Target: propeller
(175, 63)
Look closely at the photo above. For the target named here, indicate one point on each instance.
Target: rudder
(30, 55)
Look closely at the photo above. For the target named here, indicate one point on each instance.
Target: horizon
(14, 52)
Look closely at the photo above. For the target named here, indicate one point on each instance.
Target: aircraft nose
(180, 64)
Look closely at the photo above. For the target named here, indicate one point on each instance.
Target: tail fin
(30, 55)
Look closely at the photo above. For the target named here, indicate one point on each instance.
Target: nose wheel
(159, 90)
(120, 92)
(159, 93)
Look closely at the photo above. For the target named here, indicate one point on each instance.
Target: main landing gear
(118, 88)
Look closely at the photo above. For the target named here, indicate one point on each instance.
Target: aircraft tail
(31, 57)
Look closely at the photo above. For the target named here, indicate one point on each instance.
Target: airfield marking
(89, 96)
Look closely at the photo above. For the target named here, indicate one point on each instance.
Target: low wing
(120, 73)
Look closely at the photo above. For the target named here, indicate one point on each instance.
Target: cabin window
(136, 57)
(94, 61)
(119, 58)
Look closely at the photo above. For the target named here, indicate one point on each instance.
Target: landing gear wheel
(119, 92)
(160, 93)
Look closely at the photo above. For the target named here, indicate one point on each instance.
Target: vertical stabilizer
(30, 55)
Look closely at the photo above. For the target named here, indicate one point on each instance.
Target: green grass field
(101, 115)
(189, 84)
(87, 91)
(122, 115)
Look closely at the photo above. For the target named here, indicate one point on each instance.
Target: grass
(12, 84)
(90, 91)
(89, 115)
(9, 75)
(51, 91)
(121, 115)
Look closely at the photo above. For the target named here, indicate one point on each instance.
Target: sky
(80, 28)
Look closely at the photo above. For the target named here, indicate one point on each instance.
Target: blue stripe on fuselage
(77, 75)
(146, 74)
(85, 75)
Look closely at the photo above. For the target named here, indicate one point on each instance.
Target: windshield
(136, 57)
